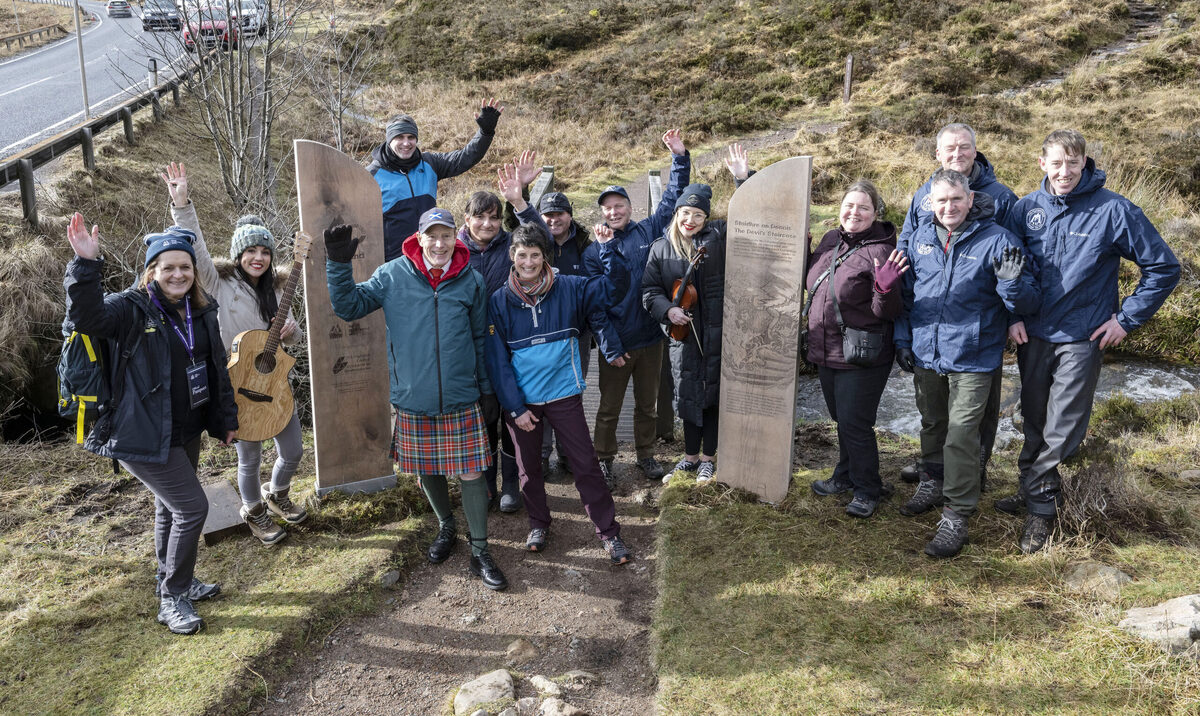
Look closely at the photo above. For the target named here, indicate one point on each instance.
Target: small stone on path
(558, 707)
(581, 677)
(544, 685)
(481, 712)
(1173, 625)
(510, 711)
(493, 686)
(1096, 579)
(521, 650)
(1192, 476)
(527, 706)
(389, 579)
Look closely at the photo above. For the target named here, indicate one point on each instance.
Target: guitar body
(260, 386)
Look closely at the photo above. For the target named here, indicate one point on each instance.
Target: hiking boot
(484, 567)
(1036, 534)
(832, 486)
(928, 495)
(536, 541)
(280, 504)
(861, 507)
(261, 525)
(178, 614)
(950, 537)
(651, 468)
(606, 469)
(509, 503)
(197, 592)
(1013, 504)
(443, 544)
(706, 472)
(618, 553)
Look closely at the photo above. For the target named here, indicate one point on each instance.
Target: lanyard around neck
(189, 341)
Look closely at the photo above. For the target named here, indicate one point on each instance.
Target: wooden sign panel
(348, 362)
(764, 285)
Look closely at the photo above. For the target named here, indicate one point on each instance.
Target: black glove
(339, 247)
(1009, 265)
(488, 116)
(905, 359)
(490, 407)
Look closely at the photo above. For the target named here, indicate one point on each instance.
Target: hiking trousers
(952, 408)
(644, 366)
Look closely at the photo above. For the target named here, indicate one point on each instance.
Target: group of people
(972, 268)
(490, 324)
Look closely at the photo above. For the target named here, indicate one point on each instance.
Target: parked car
(250, 15)
(160, 15)
(208, 27)
(118, 8)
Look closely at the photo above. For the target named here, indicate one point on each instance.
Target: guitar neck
(285, 308)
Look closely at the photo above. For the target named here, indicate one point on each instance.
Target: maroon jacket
(862, 306)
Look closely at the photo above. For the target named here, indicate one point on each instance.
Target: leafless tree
(339, 75)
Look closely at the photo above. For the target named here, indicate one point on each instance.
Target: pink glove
(887, 276)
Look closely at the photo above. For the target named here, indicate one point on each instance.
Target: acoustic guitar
(259, 370)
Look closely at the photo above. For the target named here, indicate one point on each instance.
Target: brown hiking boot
(261, 525)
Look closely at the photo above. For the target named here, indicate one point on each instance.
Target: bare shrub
(1102, 496)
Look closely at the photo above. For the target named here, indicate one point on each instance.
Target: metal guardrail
(20, 167)
(21, 37)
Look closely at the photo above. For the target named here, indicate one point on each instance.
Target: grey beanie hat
(401, 124)
(247, 235)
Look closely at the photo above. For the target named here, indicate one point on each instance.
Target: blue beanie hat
(698, 196)
(172, 238)
(247, 235)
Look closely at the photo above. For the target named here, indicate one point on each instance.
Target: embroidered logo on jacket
(927, 203)
(1035, 220)
(925, 249)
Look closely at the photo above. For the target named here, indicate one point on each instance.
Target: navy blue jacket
(407, 195)
(493, 261)
(635, 327)
(920, 211)
(1078, 241)
(138, 427)
(955, 309)
(533, 351)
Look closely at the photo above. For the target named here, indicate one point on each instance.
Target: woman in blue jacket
(533, 353)
(436, 314)
(169, 385)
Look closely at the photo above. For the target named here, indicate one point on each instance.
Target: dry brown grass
(31, 16)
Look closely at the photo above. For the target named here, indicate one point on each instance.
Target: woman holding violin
(683, 288)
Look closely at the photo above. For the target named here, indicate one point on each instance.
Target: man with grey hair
(1077, 232)
(956, 151)
(967, 275)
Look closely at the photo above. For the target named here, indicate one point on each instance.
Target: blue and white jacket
(956, 311)
(533, 351)
(1078, 240)
(635, 327)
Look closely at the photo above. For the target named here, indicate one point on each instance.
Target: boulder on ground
(1096, 579)
(493, 686)
(1173, 625)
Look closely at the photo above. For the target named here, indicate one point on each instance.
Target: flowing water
(898, 409)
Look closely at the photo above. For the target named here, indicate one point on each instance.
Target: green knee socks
(475, 506)
(438, 492)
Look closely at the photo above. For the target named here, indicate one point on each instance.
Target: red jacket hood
(458, 260)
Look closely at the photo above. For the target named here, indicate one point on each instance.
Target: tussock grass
(77, 629)
(801, 609)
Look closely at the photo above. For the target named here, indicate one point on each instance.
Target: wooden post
(157, 107)
(28, 198)
(127, 120)
(175, 94)
(849, 78)
(654, 186)
(764, 283)
(89, 151)
(543, 184)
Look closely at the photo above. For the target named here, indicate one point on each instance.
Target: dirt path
(444, 628)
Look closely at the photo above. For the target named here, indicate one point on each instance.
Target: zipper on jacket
(533, 313)
(437, 349)
(578, 378)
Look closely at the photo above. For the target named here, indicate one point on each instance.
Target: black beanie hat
(698, 196)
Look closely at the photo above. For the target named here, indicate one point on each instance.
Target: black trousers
(852, 397)
(694, 434)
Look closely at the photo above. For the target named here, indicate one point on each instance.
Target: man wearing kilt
(435, 307)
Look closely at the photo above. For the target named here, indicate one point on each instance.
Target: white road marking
(36, 82)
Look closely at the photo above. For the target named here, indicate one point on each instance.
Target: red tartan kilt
(449, 444)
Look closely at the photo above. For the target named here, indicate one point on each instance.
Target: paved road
(40, 91)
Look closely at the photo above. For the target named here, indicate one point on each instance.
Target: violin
(684, 295)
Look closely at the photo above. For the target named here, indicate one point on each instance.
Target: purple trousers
(566, 417)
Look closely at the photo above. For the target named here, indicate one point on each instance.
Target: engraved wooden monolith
(764, 283)
(348, 362)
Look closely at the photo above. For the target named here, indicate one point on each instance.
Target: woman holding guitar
(248, 298)
(684, 289)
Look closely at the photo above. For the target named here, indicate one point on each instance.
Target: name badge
(197, 376)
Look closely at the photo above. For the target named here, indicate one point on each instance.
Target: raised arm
(527, 173)
(451, 164)
(509, 183)
(350, 300)
(681, 171)
(183, 213)
(88, 310)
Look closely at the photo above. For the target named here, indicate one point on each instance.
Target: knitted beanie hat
(247, 235)
(172, 238)
(698, 196)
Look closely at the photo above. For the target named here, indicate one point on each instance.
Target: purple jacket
(861, 305)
